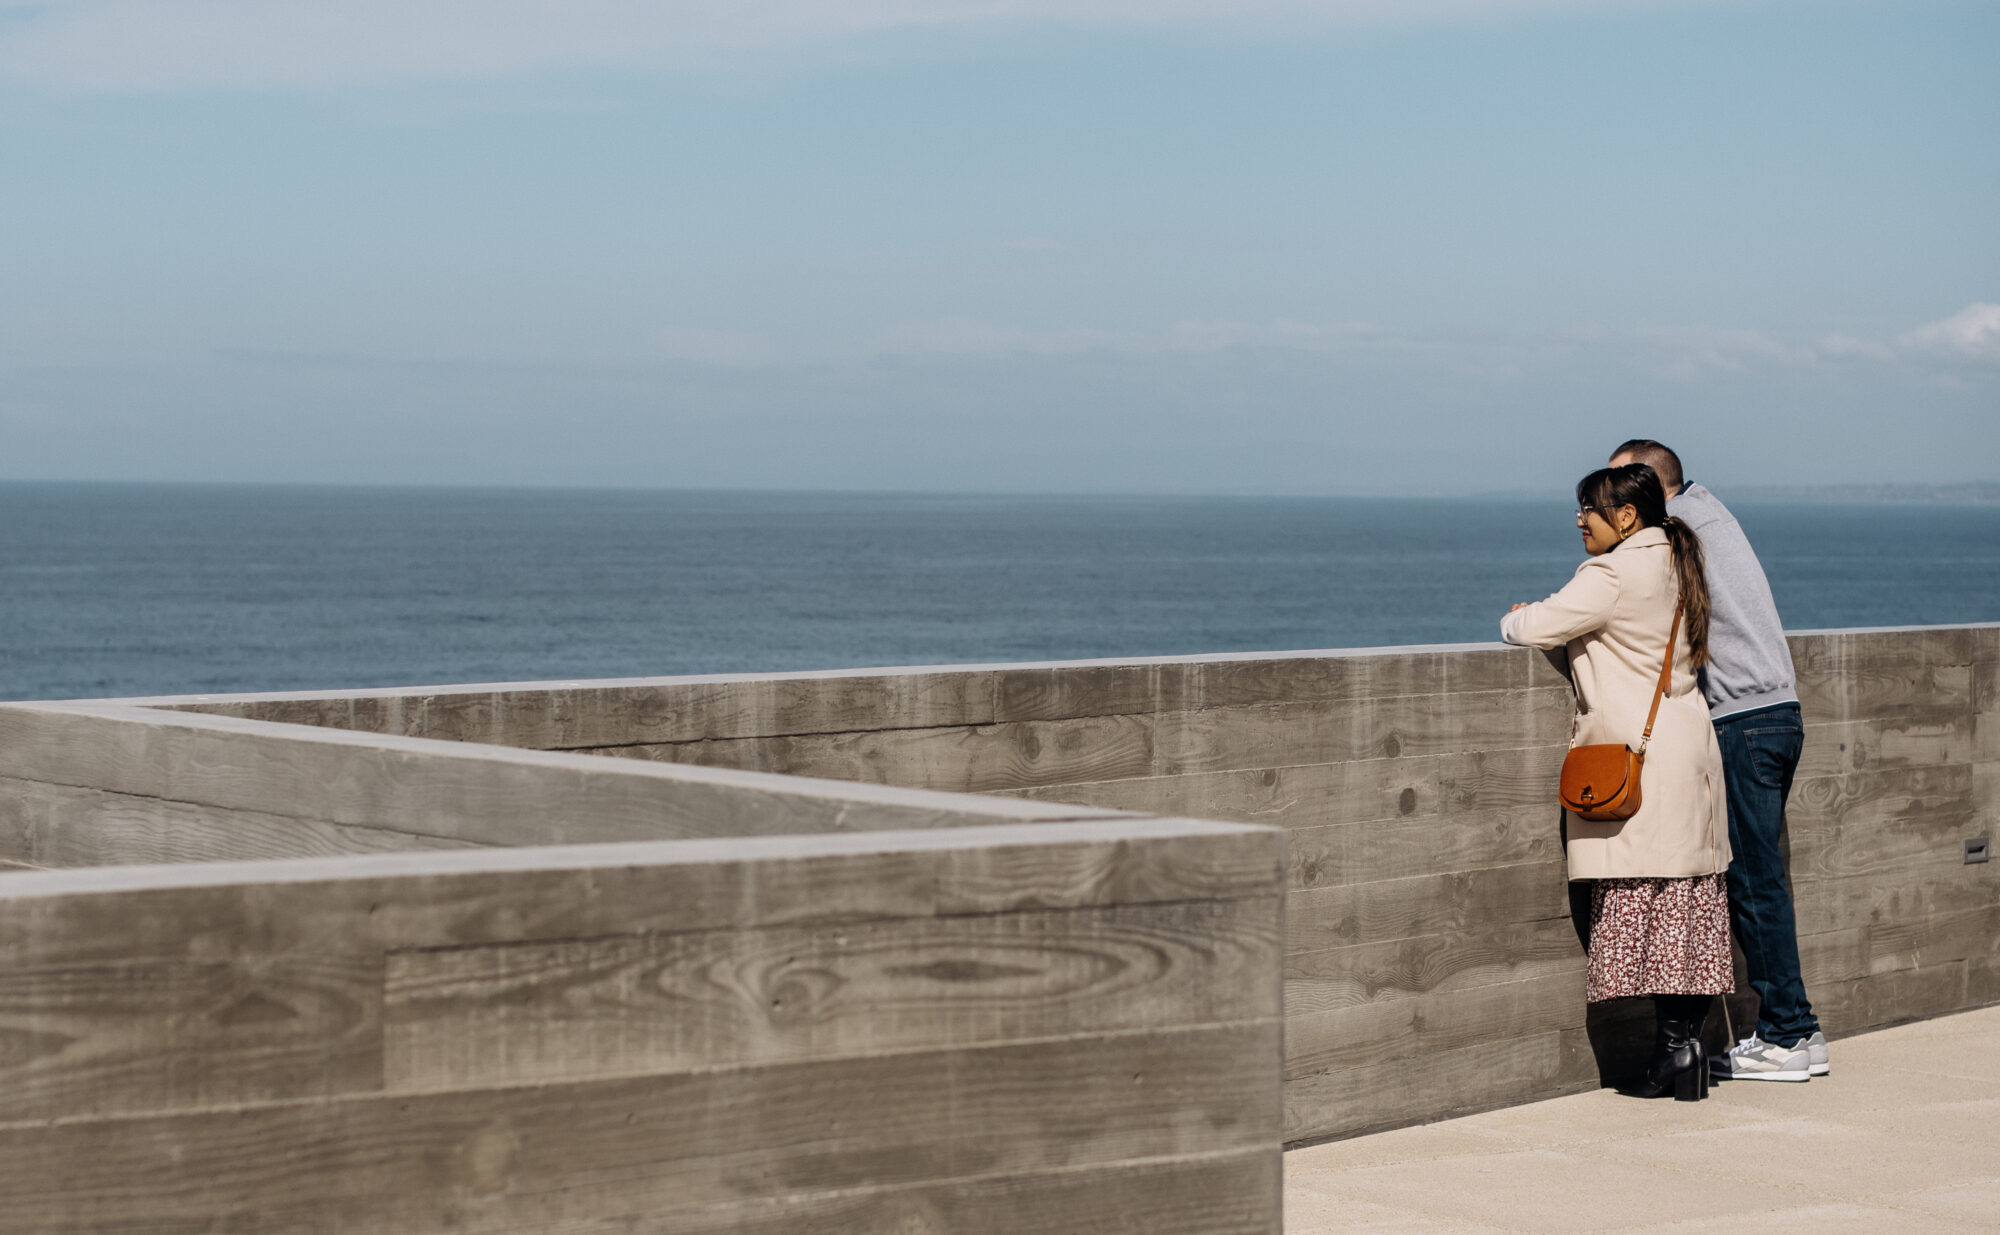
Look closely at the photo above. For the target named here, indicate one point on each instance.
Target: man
(1753, 700)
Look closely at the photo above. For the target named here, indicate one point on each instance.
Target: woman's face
(1600, 528)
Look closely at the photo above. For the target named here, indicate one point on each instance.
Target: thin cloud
(728, 348)
(139, 46)
(1972, 332)
(1855, 347)
(960, 336)
(1681, 354)
(1215, 336)
(1690, 354)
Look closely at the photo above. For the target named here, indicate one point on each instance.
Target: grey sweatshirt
(1749, 665)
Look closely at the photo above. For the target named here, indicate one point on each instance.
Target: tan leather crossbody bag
(1602, 782)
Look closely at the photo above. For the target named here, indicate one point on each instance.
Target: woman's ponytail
(1689, 566)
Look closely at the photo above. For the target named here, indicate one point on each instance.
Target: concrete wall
(1004, 1016)
(1432, 964)
(1902, 765)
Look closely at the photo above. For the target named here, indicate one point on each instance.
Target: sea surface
(112, 590)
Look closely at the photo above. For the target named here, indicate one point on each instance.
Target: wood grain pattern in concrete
(516, 1040)
(637, 1145)
(488, 896)
(47, 825)
(577, 715)
(1982, 982)
(1913, 739)
(1423, 965)
(1986, 796)
(1833, 653)
(156, 1033)
(1241, 681)
(1870, 824)
(1939, 884)
(1355, 1101)
(956, 760)
(1290, 797)
(1881, 795)
(1207, 1194)
(1282, 734)
(642, 1003)
(1447, 903)
(547, 716)
(1880, 947)
(1071, 692)
(450, 791)
(1503, 777)
(1847, 678)
(1180, 684)
(1422, 1026)
(1417, 788)
(1382, 850)
(1890, 998)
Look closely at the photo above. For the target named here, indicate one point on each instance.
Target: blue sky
(1101, 246)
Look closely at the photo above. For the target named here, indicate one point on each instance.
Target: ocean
(139, 590)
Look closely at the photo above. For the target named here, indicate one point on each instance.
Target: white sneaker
(1754, 1059)
(1816, 1053)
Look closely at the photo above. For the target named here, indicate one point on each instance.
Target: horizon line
(1870, 493)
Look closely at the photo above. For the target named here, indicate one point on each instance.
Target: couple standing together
(1701, 855)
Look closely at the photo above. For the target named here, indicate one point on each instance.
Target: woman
(1659, 916)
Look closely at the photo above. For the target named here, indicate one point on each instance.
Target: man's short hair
(1665, 463)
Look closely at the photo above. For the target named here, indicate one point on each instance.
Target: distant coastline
(1979, 493)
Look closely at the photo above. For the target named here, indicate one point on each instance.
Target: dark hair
(1649, 452)
(1637, 485)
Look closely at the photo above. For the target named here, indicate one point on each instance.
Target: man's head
(1665, 463)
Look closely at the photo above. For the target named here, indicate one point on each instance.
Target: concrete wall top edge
(842, 792)
(1825, 631)
(195, 702)
(1124, 830)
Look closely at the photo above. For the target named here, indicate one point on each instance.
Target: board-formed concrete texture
(1431, 964)
(835, 1008)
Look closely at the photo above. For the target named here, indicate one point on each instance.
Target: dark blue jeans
(1760, 751)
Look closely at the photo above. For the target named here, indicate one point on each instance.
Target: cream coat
(1614, 617)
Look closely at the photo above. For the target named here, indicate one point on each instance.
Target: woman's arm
(1584, 605)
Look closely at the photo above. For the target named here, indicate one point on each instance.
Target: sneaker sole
(1820, 1069)
(1723, 1075)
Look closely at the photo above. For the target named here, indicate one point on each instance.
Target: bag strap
(1666, 675)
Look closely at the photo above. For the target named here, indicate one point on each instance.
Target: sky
(1098, 246)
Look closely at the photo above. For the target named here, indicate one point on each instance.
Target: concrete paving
(1903, 1136)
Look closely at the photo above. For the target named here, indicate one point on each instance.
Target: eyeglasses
(1581, 511)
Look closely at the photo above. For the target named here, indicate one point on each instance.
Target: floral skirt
(1659, 937)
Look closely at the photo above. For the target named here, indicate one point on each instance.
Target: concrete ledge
(1431, 959)
(702, 1035)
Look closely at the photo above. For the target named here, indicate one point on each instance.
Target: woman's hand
(1522, 605)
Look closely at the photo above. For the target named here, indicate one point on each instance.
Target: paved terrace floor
(1903, 1136)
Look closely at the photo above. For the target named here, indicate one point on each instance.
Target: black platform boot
(1680, 1062)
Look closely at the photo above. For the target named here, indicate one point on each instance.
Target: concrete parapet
(1431, 964)
(991, 1027)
